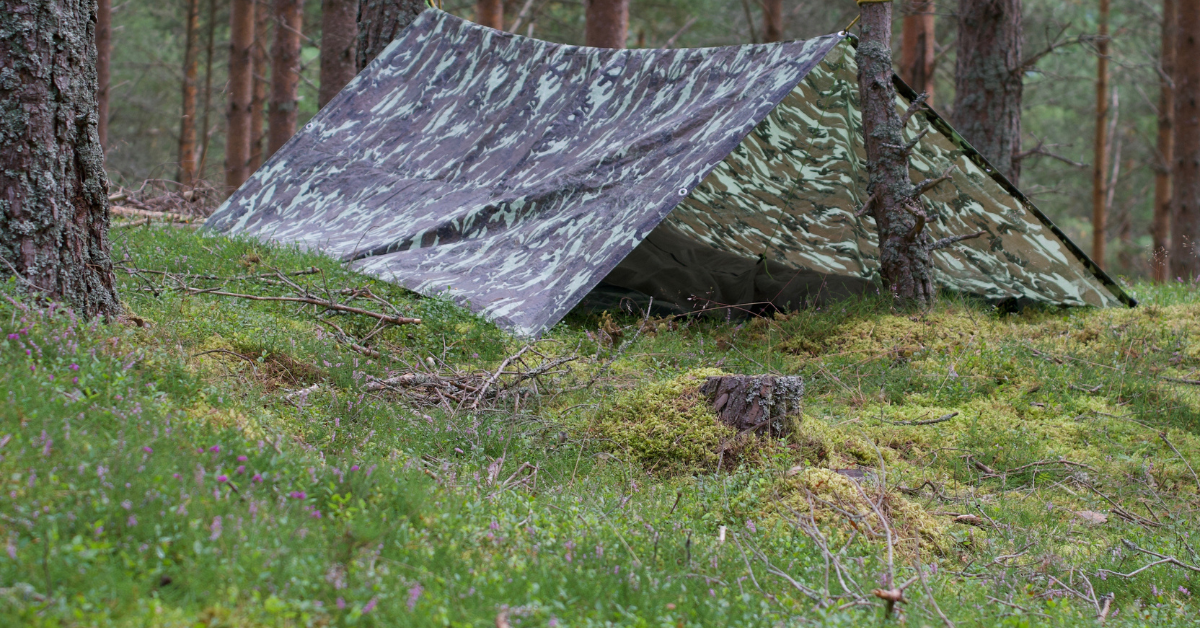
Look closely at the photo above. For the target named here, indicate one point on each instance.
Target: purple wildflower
(341, 603)
(216, 528)
(241, 469)
(131, 521)
(257, 477)
(147, 449)
(370, 605)
(222, 478)
(241, 458)
(216, 449)
(414, 594)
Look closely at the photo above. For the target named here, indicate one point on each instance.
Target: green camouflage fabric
(789, 193)
(516, 176)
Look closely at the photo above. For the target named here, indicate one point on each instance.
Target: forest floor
(212, 460)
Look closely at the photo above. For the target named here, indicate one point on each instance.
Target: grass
(222, 462)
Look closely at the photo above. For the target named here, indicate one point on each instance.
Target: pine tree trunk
(285, 74)
(339, 32)
(905, 263)
(607, 23)
(103, 66)
(258, 94)
(987, 81)
(187, 117)
(379, 22)
(1100, 149)
(241, 84)
(209, 45)
(53, 189)
(490, 13)
(1161, 226)
(1185, 184)
(772, 20)
(917, 54)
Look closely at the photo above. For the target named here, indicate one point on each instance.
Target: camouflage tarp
(515, 175)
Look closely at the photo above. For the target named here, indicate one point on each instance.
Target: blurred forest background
(1059, 105)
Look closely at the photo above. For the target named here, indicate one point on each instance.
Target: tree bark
(379, 22)
(53, 189)
(209, 44)
(258, 93)
(917, 54)
(772, 20)
(241, 85)
(1100, 149)
(490, 13)
(1161, 226)
(987, 81)
(1185, 186)
(754, 403)
(339, 32)
(187, 117)
(607, 23)
(905, 261)
(285, 74)
(103, 67)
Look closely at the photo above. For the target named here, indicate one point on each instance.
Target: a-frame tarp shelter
(515, 175)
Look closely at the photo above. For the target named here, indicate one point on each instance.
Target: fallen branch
(941, 419)
(496, 375)
(1163, 560)
(253, 365)
(130, 212)
(1163, 435)
(395, 320)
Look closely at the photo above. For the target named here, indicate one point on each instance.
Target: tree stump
(754, 402)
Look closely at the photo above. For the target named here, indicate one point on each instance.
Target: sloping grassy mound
(210, 460)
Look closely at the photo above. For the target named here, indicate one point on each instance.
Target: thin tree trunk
(379, 22)
(258, 95)
(241, 86)
(209, 44)
(187, 117)
(772, 20)
(490, 13)
(607, 23)
(905, 262)
(54, 218)
(1185, 185)
(1100, 149)
(917, 54)
(987, 81)
(285, 74)
(103, 66)
(339, 32)
(1161, 225)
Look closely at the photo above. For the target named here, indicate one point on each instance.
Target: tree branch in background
(1040, 151)
(1052, 44)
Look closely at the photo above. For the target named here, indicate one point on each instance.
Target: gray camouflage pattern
(514, 174)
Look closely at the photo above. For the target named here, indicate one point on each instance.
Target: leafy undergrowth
(212, 460)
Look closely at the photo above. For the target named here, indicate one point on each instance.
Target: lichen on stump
(754, 402)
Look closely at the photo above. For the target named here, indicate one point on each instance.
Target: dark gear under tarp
(516, 175)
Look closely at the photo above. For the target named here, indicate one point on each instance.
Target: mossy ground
(213, 461)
